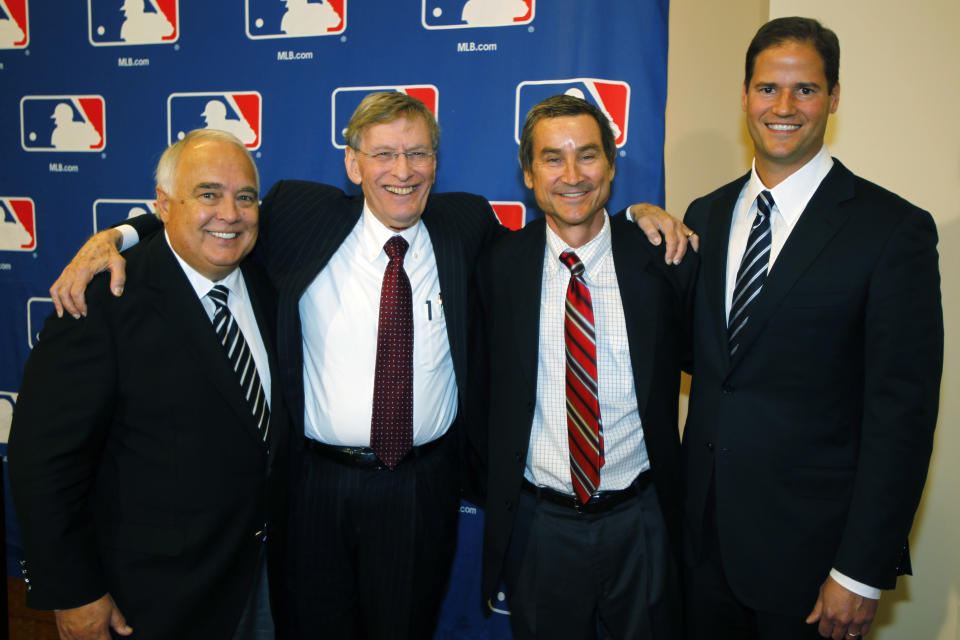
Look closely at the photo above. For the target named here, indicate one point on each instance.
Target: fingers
(118, 274)
(655, 222)
(119, 623)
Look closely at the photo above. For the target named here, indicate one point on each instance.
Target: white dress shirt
(340, 311)
(240, 306)
(625, 453)
(790, 197)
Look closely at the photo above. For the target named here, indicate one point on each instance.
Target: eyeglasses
(417, 159)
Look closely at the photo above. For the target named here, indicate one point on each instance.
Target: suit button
(516, 456)
(727, 388)
(509, 505)
(710, 446)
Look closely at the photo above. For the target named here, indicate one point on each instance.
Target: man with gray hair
(146, 454)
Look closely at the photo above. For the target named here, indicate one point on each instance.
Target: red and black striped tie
(584, 433)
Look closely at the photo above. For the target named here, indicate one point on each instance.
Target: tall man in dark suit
(818, 352)
(145, 459)
(584, 328)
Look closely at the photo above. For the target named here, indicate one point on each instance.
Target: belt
(598, 503)
(363, 457)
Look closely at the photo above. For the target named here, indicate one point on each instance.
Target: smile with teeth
(400, 191)
(575, 194)
(783, 127)
(223, 235)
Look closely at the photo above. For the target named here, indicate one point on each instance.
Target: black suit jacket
(136, 465)
(818, 433)
(657, 307)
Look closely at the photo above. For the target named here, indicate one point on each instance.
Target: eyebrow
(587, 147)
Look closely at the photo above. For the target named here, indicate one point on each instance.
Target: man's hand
(653, 221)
(98, 254)
(92, 621)
(842, 613)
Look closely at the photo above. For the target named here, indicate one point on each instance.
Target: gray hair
(167, 166)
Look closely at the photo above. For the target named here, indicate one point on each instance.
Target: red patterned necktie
(584, 435)
(391, 427)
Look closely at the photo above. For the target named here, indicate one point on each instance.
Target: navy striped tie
(752, 271)
(238, 352)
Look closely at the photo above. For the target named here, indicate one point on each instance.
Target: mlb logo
(295, 18)
(612, 97)
(18, 224)
(345, 100)
(121, 22)
(237, 112)
(8, 400)
(63, 123)
(460, 14)
(110, 211)
(14, 24)
(38, 309)
(512, 215)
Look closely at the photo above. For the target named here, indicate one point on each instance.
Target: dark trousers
(712, 609)
(582, 576)
(370, 550)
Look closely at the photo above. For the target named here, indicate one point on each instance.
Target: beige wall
(896, 126)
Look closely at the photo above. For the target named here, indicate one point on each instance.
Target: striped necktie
(584, 432)
(752, 271)
(238, 352)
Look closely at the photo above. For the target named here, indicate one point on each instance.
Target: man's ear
(163, 205)
(351, 162)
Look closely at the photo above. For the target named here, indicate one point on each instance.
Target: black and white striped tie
(752, 271)
(238, 352)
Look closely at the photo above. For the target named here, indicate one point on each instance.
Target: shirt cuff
(129, 235)
(858, 588)
(629, 214)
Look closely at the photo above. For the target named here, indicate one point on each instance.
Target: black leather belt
(599, 503)
(363, 457)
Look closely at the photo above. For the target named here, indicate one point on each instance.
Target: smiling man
(818, 341)
(584, 327)
(143, 465)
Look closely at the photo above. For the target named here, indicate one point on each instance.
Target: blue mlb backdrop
(93, 90)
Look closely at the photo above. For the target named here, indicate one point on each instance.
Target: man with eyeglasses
(372, 340)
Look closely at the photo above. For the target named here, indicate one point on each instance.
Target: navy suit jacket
(657, 301)
(817, 434)
(136, 465)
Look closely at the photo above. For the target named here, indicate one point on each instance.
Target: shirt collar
(202, 284)
(591, 254)
(792, 195)
(374, 234)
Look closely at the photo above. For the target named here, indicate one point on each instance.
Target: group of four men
(400, 341)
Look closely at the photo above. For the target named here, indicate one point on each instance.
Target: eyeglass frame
(390, 158)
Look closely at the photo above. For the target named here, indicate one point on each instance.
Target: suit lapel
(640, 302)
(522, 275)
(818, 223)
(448, 252)
(176, 302)
(716, 242)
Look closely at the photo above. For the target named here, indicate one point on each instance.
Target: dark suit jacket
(657, 307)
(304, 223)
(818, 433)
(136, 465)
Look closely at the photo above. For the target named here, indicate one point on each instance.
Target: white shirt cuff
(858, 588)
(130, 236)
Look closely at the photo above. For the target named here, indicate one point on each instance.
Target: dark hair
(556, 107)
(805, 30)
